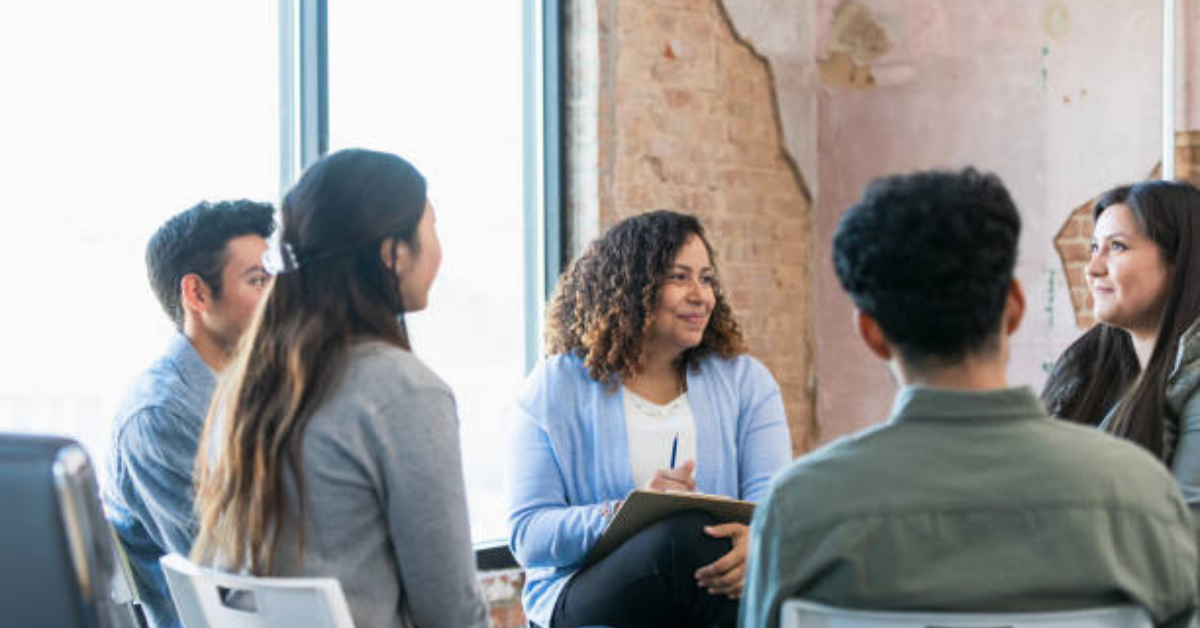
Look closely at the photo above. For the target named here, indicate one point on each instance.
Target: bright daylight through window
(125, 113)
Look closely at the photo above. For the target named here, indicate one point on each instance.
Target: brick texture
(1073, 240)
(688, 122)
(502, 592)
(1072, 243)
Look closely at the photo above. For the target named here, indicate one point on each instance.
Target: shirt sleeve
(545, 529)
(157, 448)
(761, 601)
(1186, 467)
(422, 464)
(765, 443)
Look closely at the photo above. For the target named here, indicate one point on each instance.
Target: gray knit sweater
(386, 509)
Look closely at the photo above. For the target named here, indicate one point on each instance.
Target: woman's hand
(678, 479)
(727, 575)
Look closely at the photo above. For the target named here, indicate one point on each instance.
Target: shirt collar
(920, 402)
(195, 373)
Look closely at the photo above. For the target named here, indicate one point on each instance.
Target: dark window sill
(494, 556)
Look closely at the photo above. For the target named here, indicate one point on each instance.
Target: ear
(1014, 307)
(194, 294)
(396, 255)
(872, 335)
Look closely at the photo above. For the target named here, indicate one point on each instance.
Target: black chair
(59, 563)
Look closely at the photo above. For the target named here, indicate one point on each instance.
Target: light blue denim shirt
(148, 492)
(569, 458)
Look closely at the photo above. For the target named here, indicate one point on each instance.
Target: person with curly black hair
(645, 357)
(969, 497)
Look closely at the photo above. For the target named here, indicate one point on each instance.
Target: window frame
(304, 138)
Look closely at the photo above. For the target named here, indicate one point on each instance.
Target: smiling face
(685, 302)
(1127, 275)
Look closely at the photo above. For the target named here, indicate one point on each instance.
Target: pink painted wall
(1187, 32)
(1061, 98)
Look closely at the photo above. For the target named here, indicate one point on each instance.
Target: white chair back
(802, 614)
(206, 598)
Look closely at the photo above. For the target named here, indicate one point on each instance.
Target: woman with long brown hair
(1136, 373)
(647, 366)
(332, 450)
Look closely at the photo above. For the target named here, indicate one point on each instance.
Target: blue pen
(674, 448)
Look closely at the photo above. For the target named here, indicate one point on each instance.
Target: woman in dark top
(1136, 373)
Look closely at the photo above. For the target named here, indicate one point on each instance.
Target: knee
(683, 543)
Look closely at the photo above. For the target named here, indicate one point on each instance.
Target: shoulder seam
(829, 522)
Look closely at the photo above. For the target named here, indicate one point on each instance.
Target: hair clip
(280, 259)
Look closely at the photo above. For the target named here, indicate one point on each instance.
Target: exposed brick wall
(502, 592)
(687, 121)
(1187, 156)
(670, 110)
(1073, 240)
(1073, 244)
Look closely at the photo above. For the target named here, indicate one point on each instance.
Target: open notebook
(642, 508)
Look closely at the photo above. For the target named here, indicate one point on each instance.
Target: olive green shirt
(973, 501)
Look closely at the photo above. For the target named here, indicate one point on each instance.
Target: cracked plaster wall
(1060, 97)
(685, 119)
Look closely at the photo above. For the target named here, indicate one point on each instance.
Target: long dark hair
(1103, 362)
(1092, 375)
(603, 307)
(335, 221)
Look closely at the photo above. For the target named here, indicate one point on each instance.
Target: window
(116, 116)
(441, 84)
(125, 113)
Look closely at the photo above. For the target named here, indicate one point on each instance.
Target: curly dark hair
(930, 257)
(602, 309)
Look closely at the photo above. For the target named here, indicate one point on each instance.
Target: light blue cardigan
(569, 456)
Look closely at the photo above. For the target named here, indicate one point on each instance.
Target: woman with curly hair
(645, 356)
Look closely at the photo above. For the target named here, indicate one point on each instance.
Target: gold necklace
(650, 408)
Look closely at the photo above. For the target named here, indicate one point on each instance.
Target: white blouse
(652, 428)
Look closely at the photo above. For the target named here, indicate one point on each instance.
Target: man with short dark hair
(206, 269)
(969, 497)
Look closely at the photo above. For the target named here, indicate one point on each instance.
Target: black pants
(650, 581)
